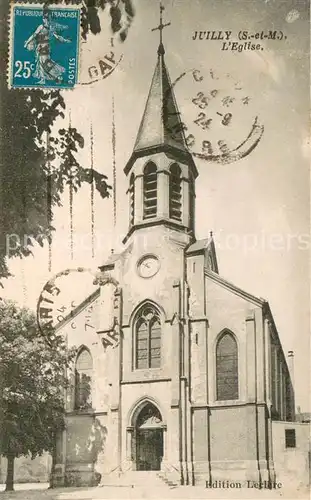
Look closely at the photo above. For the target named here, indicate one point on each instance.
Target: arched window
(227, 380)
(83, 380)
(150, 191)
(132, 199)
(148, 338)
(175, 192)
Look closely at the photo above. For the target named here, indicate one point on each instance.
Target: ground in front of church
(41, 492)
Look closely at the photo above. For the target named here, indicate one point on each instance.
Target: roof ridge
(85, 302)
(231, 286)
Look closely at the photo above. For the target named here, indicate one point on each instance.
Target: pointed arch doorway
(147, 445)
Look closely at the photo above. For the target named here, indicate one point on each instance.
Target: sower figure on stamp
(46, 68)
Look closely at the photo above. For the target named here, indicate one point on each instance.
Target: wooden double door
(149, 449)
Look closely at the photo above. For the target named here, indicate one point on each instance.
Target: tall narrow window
(290, 438)
(150, 191)
(148, 339)
(132, 199)
(83, 380)
(175, 192)
(227, 380)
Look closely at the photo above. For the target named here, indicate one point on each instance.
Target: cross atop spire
(161, 27)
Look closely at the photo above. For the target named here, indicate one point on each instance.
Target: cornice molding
(158, 222)
(179, 154)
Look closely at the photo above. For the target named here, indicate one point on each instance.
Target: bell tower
(161, 171)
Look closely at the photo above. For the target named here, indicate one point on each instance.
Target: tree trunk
(10, 474)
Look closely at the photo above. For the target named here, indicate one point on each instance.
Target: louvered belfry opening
(132, 199)
(150, 191)
(175, 192)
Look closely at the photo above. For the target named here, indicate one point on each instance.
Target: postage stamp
(44, 46)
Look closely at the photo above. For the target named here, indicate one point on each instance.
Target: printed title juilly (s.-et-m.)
(212, 35)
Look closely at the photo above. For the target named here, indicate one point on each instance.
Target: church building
(178, 371)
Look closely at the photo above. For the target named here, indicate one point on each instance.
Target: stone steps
(166, 480)
(134, 479)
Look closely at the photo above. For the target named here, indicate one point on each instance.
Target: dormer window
(150, 191)
(175, 192)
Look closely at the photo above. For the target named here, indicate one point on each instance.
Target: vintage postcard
(155, 249)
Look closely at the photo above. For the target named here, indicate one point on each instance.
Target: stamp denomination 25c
(44, 46)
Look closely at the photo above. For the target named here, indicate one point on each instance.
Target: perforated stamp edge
(73, 4)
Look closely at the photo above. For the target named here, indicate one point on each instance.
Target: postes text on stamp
(44, 46)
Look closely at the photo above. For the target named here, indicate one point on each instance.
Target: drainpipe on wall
(180, 395)
(118, 294)
(184, 382)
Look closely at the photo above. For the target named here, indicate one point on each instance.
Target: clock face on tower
(148, 266)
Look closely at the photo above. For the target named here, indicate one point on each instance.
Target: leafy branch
(32, 177)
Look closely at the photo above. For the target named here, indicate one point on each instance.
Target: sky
(257, 207)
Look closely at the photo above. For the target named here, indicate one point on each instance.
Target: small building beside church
(177, 369)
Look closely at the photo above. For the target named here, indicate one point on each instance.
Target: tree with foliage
(32, 175)
(121, 14)
(38, 160)
(33, 381)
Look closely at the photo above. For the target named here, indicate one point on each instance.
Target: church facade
(177, 369)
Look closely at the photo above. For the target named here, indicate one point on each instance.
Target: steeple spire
(161, 127)
(161, 27)
(161, 170)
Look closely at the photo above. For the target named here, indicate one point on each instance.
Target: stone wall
(292, 464)
(27, 470)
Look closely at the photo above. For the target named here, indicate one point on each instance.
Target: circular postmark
(221, 125)
(97, 64)
(102, 52)
(62, 295)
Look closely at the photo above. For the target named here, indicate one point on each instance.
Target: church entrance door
(149, 439)
(149, 449)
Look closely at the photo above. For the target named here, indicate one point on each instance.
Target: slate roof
(161, 127)
(85, 302)
(199, 245)
(161, 123)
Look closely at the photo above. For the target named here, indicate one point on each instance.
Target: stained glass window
(227, 380)
(148, 339)
(83, 380)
